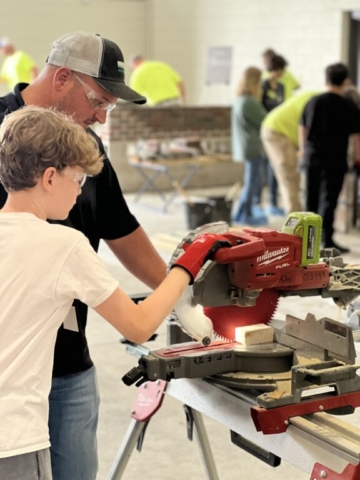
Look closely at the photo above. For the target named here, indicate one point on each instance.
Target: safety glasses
(77, 177)
(96, 102)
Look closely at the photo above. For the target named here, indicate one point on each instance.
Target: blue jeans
(252, 177)
(266, 176)
(73, 418)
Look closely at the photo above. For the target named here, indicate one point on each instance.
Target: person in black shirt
(273, 91)
(325, 126)
(84, 77)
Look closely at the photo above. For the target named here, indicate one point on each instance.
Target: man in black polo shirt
(84, 77)
(325, 126)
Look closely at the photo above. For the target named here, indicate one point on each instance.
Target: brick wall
(127, 124)
(130, 123)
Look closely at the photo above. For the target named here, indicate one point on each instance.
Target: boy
(44, 160)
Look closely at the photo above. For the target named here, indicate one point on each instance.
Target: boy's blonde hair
(33, 139)
(249, 83)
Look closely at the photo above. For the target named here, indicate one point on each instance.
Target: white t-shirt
(43, 268)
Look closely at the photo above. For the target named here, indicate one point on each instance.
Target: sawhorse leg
(134, 436)
(151, 394)
(149, 184)
(194, 419)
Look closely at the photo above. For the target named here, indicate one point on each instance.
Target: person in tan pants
(279, 135)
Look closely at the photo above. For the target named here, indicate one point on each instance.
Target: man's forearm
(139, 257)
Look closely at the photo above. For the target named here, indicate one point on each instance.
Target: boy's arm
(139, 322)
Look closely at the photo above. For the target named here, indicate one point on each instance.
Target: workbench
(320, 444)
(170, 169)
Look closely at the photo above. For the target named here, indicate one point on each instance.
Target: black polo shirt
(329, 119)
(99, 213)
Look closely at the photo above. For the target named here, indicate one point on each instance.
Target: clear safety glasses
(97, 102)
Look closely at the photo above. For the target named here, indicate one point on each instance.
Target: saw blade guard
(191, 318)
(215, 227)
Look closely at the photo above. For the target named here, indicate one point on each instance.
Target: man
(157, 81)
(279, 134)
(287, 78)
(18, 66)
(326, 124)
(84, 77)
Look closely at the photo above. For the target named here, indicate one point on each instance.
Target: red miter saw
(242, 284)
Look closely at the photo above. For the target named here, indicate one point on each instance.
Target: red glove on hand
(199, 251)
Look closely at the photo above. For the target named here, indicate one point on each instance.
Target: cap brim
(120, 90)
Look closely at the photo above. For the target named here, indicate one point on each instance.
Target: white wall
(307, 32)
(34, 24)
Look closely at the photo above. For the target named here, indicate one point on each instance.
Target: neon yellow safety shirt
(288, 80)
(17, 68)
(284, 119)
(156, 81)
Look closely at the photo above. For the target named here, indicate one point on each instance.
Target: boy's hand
(199, 251)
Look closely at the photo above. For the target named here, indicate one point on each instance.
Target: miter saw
(241, 286)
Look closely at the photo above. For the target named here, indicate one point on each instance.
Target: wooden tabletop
(173, 162)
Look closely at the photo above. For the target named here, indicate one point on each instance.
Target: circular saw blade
(226, 319)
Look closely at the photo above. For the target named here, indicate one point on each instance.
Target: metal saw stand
(147, 402)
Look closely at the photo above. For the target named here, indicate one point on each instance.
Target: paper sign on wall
(218, 65)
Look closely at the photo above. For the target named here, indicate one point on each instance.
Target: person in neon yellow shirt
(287, 78)
(157, 81)
(18, 66)
(279, 135)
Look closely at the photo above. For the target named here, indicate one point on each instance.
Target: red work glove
(199, 251)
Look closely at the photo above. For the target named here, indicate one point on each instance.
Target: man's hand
(199, 251)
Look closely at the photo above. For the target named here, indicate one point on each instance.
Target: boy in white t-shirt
(44, 160)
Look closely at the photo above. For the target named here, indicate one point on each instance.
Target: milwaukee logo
(273, 256)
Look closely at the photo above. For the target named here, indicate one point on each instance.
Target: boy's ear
(48, 179)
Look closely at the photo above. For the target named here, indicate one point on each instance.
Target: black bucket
(198, 213)
(207, 210)
(221, 209)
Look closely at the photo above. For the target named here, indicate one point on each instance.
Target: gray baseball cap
(97, 57)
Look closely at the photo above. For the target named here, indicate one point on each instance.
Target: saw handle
(249, 247)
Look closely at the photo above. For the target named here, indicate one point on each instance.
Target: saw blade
(227, 318)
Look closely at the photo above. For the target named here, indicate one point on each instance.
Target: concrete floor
(167, 454)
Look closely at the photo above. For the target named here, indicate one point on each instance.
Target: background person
(86, 90)
(157, 81)
(246, 117)
(287, 78)
(18, 66)
(280, 137)
(44, 160)
(326, 124)
(273, 95)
